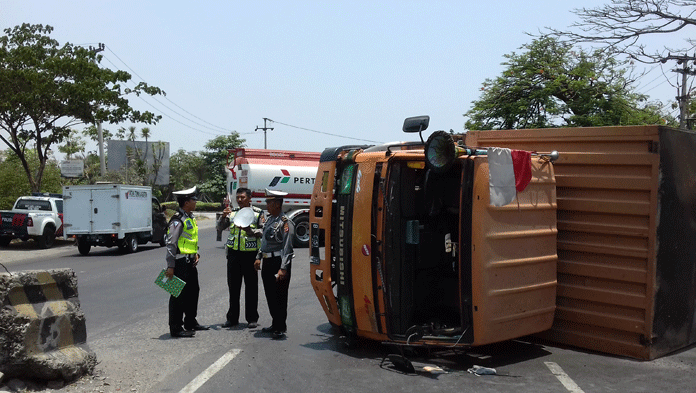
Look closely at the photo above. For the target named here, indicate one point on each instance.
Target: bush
(200, 206)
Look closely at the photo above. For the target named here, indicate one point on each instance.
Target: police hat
(273, 195)
(189, 193)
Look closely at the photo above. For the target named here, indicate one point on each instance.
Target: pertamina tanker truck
(283, 170)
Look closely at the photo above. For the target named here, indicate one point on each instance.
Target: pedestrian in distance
(182, 260)
(276, 253)
(241, 248)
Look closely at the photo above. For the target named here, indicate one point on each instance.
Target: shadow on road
(458, 359)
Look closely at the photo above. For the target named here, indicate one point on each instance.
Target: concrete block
(42, 329)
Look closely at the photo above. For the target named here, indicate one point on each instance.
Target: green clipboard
(173, 285)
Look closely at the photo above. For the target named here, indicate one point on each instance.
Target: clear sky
(348, 71)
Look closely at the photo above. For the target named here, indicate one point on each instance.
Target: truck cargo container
(626, 229)
(113, 215)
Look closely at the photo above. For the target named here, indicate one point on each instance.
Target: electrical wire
(325, 133)
(165, 97)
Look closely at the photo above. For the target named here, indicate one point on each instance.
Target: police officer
(276, 253)
(242, 245)
(182, 258)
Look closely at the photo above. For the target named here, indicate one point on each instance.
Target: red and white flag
(509, 172)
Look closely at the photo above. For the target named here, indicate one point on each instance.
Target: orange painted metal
(320, 266)
(512, 271)
(513, 259)
(609, 190)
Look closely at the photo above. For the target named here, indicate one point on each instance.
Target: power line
(325, 133)
(173, 103)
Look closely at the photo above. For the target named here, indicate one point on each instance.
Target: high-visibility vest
(188, 241)
(238, 239)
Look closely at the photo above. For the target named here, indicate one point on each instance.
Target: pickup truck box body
(112, 214)
(38, 217)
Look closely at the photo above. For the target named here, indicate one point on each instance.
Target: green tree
(74, 145)
(47, 88)
(553, 85)
(626, 26)
(186, 169)
(215, 158)
(14, 186)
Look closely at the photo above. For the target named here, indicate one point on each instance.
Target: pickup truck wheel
(48, 237)
(131, 242)
(5, 241)
(301, 239)
(83, 247)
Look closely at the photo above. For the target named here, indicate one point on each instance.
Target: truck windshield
(33, 204)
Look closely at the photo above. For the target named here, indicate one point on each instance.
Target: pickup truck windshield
(33, 204)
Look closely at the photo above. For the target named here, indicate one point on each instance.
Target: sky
(325, 73)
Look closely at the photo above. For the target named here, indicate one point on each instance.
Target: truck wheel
(5, 241)
(83, 247)
(301, 239)
(48, 237)
(131, 243)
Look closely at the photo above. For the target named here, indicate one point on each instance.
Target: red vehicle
(38, 217)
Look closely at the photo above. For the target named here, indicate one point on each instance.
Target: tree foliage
(551, 84)
(215, 158)
(14, 186)
(186, 169)
(46, 88)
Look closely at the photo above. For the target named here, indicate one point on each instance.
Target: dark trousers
(240, 264)
(183, 309)
(276, 292)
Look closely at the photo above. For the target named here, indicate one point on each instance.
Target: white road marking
(563, 377)
(210, 371)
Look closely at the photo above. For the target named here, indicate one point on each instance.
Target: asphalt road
(126, 318)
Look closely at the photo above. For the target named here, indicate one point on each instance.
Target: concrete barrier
(42, 329)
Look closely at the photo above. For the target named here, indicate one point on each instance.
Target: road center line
(563, 377)
(210, 371)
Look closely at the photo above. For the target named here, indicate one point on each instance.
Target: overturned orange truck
(407, 248)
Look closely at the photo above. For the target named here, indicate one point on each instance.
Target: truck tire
(5, 241)
(83, 247)
(48, 238)
(131, 243)
(301, 239)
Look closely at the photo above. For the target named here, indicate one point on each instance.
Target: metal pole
(264, 131)
(102, 161)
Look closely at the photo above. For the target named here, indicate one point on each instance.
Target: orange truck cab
(406, 249)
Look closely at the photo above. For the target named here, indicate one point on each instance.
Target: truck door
(104, 212)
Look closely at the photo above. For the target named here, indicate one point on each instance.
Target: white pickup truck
(38, 217)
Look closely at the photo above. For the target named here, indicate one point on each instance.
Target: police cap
(274, 195)
(189, 193)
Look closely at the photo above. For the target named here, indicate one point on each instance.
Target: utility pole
(100, 134)
(264, 131)
(685, 96)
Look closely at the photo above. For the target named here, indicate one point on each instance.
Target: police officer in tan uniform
(277, 253)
